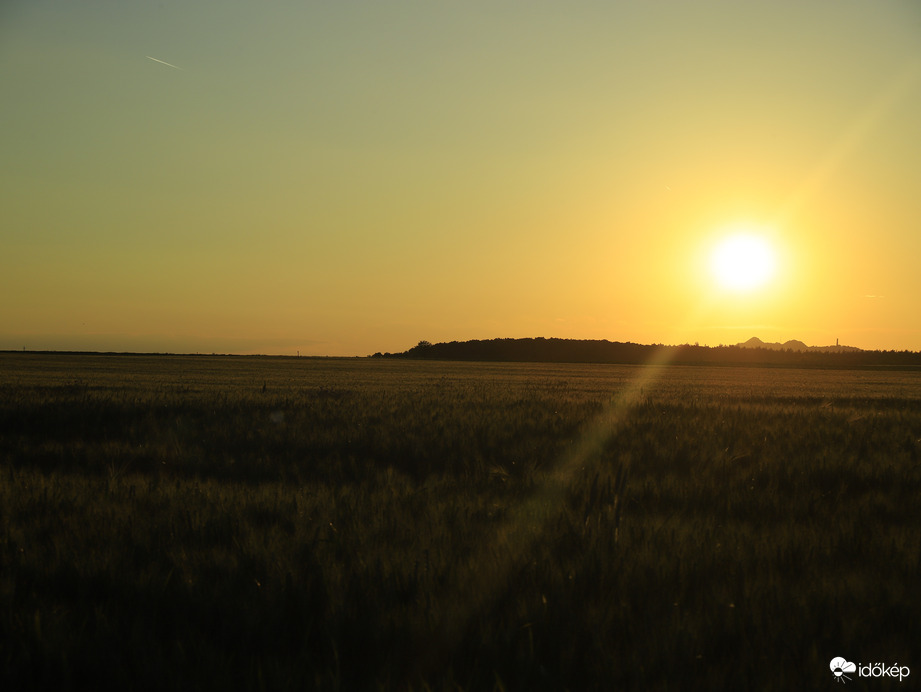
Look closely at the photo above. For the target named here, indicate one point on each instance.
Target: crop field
(188, 523)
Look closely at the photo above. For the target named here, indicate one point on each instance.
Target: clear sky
(341, 178)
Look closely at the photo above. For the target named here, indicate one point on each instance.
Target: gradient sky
(341, 178)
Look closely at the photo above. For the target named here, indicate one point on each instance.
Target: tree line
(552, 350)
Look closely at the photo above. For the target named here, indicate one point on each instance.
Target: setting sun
(743, 262)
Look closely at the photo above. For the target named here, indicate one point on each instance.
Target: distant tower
(836, 342)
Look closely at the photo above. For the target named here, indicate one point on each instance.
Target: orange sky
(352, 177)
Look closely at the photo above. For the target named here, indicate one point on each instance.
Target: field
(182, 522)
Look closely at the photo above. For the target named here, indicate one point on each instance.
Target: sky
(344, 178)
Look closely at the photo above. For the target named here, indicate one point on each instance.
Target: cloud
(163, 62)
(163, 343)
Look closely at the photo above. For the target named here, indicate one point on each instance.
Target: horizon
(345, 179)
(298, 354)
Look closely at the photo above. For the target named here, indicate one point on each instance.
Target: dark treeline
(603, 351)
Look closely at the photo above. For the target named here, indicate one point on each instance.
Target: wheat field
(217, 522)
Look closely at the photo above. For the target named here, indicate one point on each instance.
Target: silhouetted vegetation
(540, 350)
(270, 523)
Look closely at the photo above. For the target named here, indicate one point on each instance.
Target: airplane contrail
(164, 62)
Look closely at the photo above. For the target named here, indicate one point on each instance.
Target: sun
(742, 262)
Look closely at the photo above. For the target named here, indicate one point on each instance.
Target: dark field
(266, 523)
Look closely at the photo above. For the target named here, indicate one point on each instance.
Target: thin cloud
(163, 62)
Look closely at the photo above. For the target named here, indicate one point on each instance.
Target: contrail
(164, 63)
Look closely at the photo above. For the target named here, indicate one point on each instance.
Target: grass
(263, 523)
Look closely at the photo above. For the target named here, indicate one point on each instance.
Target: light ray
(478, 584)
(862, 127)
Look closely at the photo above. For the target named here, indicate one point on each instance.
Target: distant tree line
(602, 351)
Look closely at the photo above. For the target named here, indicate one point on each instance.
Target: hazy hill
(753, 352)
(795, 345)
(791, 345)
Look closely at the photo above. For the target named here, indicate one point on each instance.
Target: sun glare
(742, 262)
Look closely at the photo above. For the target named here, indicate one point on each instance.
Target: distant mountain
(798, 346)
(791, 345)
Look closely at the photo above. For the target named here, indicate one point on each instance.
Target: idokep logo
(840, 667)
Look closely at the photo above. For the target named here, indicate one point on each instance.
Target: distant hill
(753, 352)
(791, 345)
(794, 345)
